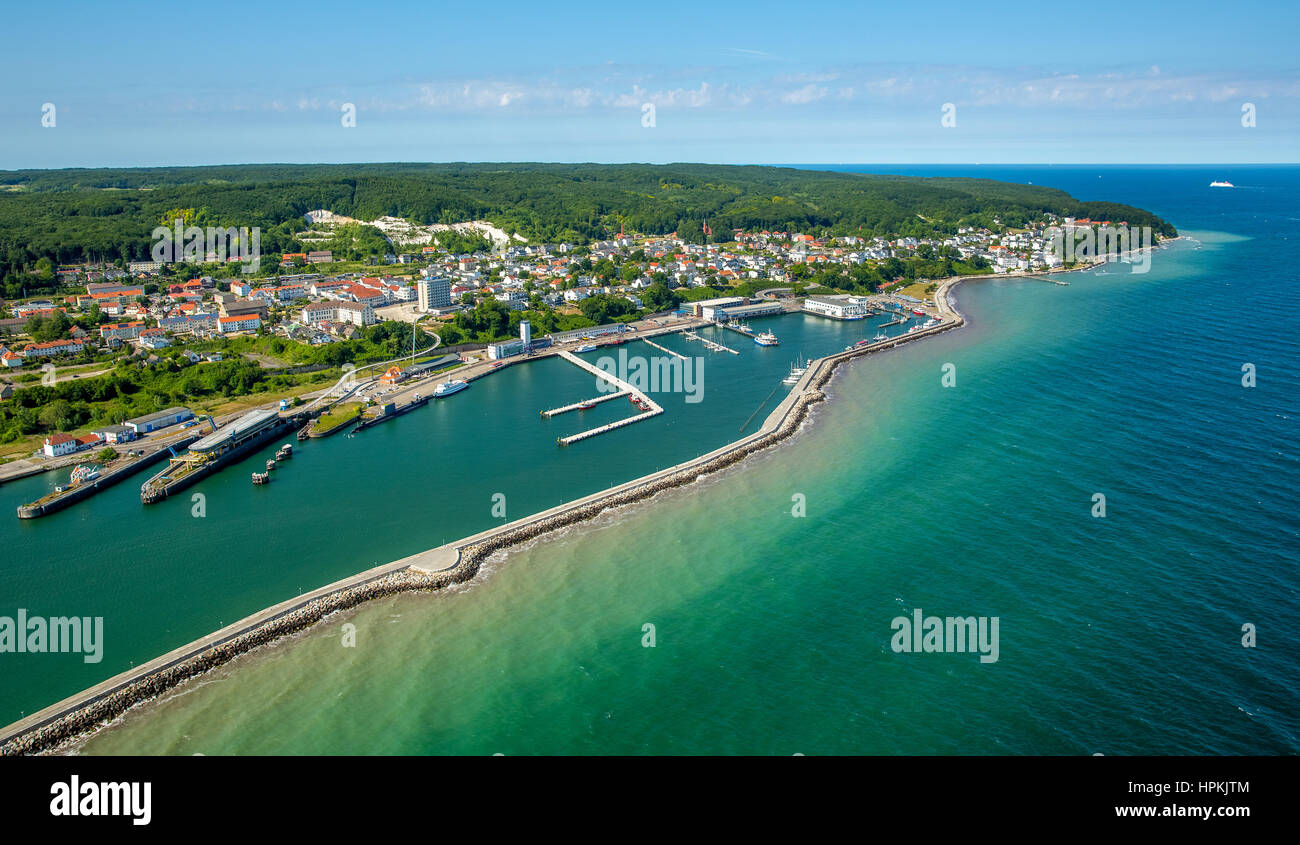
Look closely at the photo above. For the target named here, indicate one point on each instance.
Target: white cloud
(807, 94)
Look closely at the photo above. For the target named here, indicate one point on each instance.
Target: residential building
(60, 444)
(239, 323)
(123, 331)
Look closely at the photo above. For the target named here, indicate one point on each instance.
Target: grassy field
(337, 415)
(920, 290)
(218, 407)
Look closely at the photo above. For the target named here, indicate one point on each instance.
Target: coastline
(71, 719)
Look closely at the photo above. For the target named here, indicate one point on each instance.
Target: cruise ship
(447, 388)
(767, 339)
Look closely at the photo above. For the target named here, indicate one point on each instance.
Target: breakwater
(64, 722)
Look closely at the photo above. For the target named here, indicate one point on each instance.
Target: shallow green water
(1118, 635)
(161, 577)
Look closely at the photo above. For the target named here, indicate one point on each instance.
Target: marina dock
(604, 397)
(625, 390)
(709, 344)
(732, 328)
(645, 415)
(665, 349)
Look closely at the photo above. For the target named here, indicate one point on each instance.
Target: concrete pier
(713, 345)
(578, 405)
(665, 349)
(645, 415)
(625, 390)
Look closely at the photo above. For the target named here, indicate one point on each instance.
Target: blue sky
(163, 84)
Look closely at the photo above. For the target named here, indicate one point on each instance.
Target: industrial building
(837, 308)
(593, 331)
(697, 308)
(722, 313)
(159, 420)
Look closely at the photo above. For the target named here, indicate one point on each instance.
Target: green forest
(51, 217)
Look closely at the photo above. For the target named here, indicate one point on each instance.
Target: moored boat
(586, 347)
(767, 339)
(261, 478)
(83, 473)
(447, 388)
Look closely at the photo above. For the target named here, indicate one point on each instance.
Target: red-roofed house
(58, 445)
(239, 323)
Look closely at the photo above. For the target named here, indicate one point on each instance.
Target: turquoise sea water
(161, 577)
(1118, 635)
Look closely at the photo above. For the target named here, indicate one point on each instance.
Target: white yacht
(447, 388)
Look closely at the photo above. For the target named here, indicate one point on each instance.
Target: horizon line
(795, 165)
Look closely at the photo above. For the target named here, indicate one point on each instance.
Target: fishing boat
(447, 388)
(261, 478)
(586, 406)
(767, 339)
(879, 337)
(83, 473)
(586, 347)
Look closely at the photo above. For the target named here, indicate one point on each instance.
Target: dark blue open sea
(1117, 635)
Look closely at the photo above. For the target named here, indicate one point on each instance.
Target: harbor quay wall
(83, 713)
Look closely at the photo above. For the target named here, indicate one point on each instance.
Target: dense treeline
(136, 388)
(129, 391)
(64, 216)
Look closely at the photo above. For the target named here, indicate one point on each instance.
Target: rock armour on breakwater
(99, 711)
